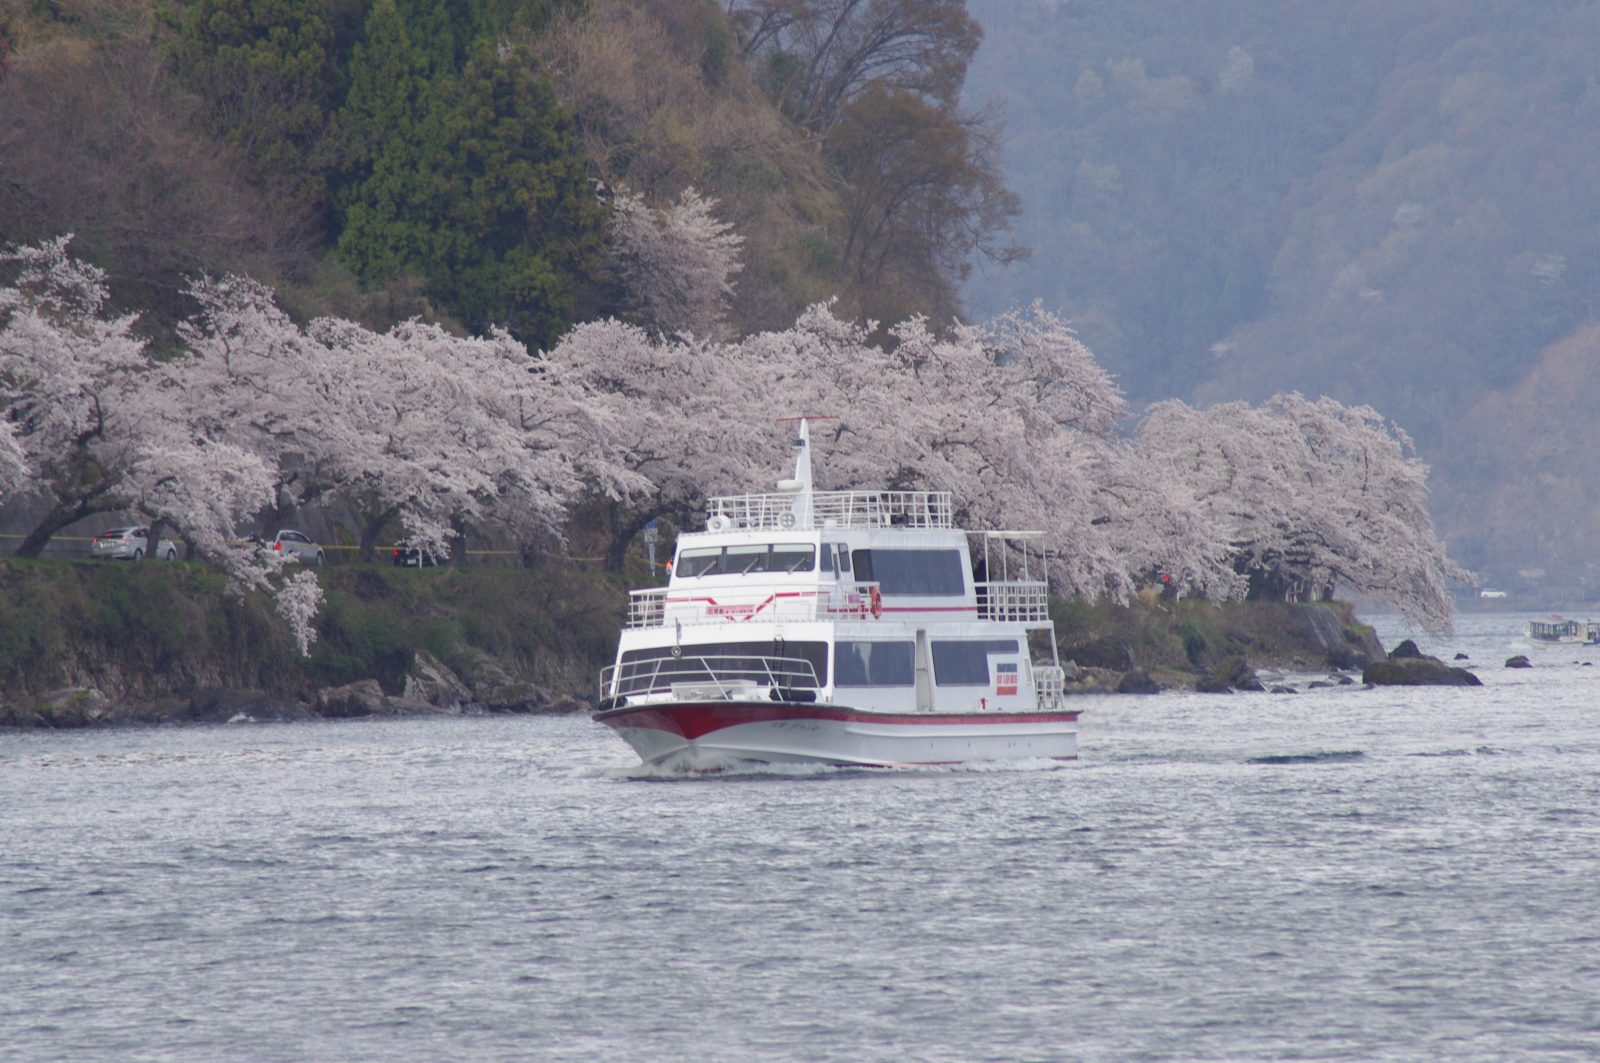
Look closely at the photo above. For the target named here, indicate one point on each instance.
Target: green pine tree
(471, 180)
(267, 73)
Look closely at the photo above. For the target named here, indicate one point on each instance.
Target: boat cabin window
(778, 662)
(913, 572)
(873, 664)
(742, 560)
(965, 663)
(836, 557)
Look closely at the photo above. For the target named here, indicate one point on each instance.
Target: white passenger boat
(844, 628)
(1559, 631)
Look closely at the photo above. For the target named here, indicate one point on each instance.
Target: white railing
(1023, 601)
(712, 677)
(841, 509)
(1049, 685)
(647, 608)
(842, 600)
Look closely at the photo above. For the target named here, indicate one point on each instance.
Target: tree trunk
(623, 531)
(59, 517)
(458, 541)
(371, 529)
(152, 542)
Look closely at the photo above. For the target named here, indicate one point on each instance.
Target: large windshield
(745, 559)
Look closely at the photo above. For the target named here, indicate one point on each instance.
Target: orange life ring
(877, 604)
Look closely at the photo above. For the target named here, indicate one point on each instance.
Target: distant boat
(1559, 631)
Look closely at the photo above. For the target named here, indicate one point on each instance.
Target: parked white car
(128, 544)
(297, 545)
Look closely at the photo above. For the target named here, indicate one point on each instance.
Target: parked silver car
(128, 544)
(298, 546)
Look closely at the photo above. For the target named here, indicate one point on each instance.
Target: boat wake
(745, 771)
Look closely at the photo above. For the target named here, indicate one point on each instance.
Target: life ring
(786, 520)
(875, 603)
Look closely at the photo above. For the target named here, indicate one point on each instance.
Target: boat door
(924, 673)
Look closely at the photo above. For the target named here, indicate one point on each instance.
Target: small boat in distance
(840, 628)
(1559, 631)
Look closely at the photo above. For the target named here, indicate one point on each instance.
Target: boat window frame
(723, 565)
(946, 579)
(954, 672)
(846, 680)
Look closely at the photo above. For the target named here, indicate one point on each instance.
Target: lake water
(1342, 874)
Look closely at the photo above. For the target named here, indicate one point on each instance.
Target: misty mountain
(1391, 203)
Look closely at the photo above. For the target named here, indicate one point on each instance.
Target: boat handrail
(1050, 685)
(647, 607)
(833, 509)
(656, 607)
(1023, 601)
(712, 676)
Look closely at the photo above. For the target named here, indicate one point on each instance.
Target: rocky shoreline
(86, 646)
(430, 689)
(1324, 652)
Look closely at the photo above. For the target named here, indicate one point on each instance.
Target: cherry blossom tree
(1157, 528)
(676, 265)
(251, 376)
(206, 490)
(69, 372)
(1311, 495)
(1016, 418)
(107, 432)
(679, 415)
(452, 431)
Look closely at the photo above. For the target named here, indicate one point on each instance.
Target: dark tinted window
(657, 668)
(743, 560)
(966, 663)
(925, 572)
(699, 562)
(873, 664)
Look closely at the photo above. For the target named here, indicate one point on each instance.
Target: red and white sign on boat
(840, 627)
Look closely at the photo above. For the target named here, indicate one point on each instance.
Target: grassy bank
(140, 631)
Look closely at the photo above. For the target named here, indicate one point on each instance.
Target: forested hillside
(1387, 202)
(381, 159)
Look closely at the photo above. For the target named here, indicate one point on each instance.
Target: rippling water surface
(1341, 874)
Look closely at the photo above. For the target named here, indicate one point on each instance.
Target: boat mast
(800, 485)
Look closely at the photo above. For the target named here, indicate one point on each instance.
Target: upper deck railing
(1024, 601)
(1017, 601)
(834, 509)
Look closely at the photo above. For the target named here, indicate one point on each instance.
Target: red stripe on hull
(691, 720)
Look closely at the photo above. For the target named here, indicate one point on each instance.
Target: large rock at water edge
(1412, 669)
(1232, 673)
(361, 698)
(1519, 661)
(1137, 681)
